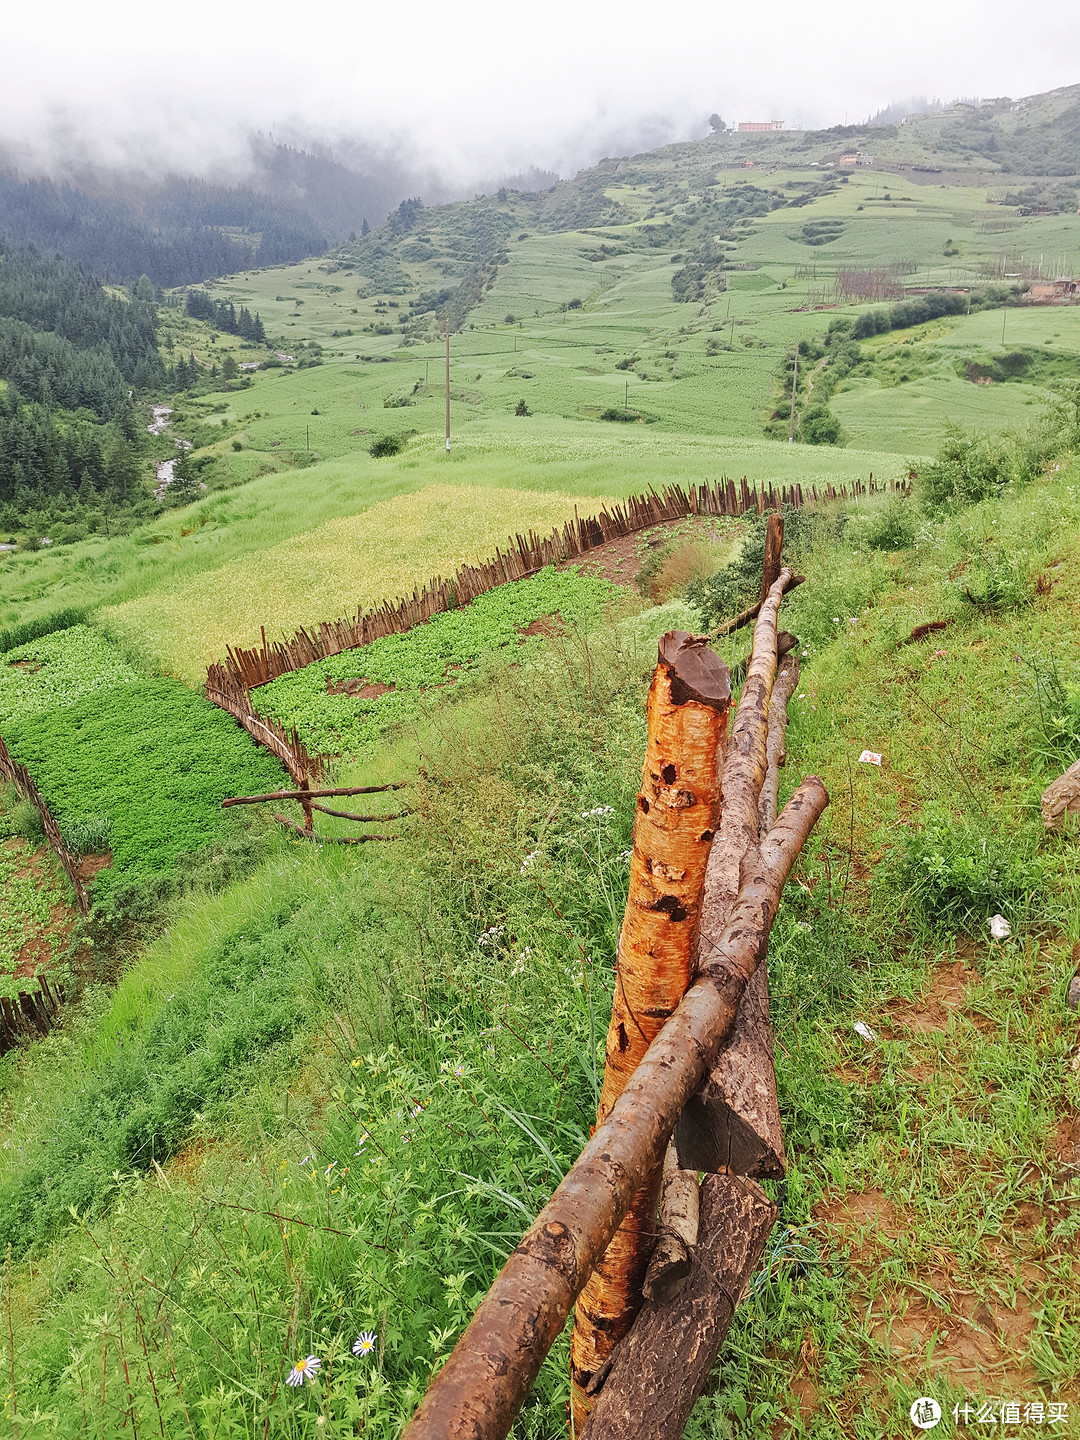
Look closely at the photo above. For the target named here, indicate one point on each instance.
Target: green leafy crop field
(422, 660)
(151, 758)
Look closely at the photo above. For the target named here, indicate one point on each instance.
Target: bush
(26, 822)
(967, 470)
(386, 445)
(997, 581)
(821, 427)
(893, 526)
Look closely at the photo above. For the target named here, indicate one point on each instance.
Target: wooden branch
(331, 839)
(787, 679)
(313, 794)
(349, 814)
(677, 812)
(479, 1390)
(661, 1367)
(677, 1230)
(748, 616)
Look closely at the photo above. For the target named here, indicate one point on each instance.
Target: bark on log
(677, 1230)
(479, 1390)
(664, 1362)
(312, 794)
(774, 549)
(1061, 798)
(787, 678)
(748, 616)
(732, 1125)
(678, 811)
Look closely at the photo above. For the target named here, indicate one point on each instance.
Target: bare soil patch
(978, 1343)
(359, 689)
(947, 994)
(548, 625)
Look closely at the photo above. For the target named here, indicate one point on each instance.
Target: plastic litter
(1000, 929)
(869, 757)
(864, 1032)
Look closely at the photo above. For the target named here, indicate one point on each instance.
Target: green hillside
(304, 1091)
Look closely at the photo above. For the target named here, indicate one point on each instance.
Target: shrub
(26, 821)
(672, 568)
(521, 408)
(386, 445)
(821, 427)
(893, 526)
(997, 581)
(967, 470)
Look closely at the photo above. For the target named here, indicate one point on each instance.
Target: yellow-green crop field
(324, 573)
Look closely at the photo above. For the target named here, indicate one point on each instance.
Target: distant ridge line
(229, 684)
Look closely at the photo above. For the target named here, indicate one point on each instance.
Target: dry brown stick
(677, 812)
(350, 815)
(479, 1390)
(663, 1364)
(677, 1230)
(331, 839)
(748, 616)
(787, 678)
(312, 794)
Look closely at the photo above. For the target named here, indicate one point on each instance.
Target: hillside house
(758, 125)
(1053, 292)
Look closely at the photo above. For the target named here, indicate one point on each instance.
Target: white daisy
(304, 1370)
(364, 1344)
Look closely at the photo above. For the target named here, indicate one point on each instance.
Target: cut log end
(696, 671)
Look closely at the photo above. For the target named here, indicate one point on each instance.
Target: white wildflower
(303, 1370)
(529, 861)
(364, 1343)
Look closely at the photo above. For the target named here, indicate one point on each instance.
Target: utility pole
(626, 396)
(448, 387)
(794, 387)
(1004, 313)
(307, 438)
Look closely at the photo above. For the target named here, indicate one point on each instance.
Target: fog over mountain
(450, 95)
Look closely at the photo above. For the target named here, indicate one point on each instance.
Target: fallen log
(313, 794)
(784, 686)
(479, 1390)
(330, 839)
(661, 1367)
(678, 810)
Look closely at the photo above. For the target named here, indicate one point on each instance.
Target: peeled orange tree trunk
(678, 812)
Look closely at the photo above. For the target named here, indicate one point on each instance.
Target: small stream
(163, 470)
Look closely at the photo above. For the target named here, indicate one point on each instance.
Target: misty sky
(482, 88)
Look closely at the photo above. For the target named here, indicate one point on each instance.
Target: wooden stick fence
(228, 685)
(664, 1349)
(526, 554)
(30, 1013)
(18, 775)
